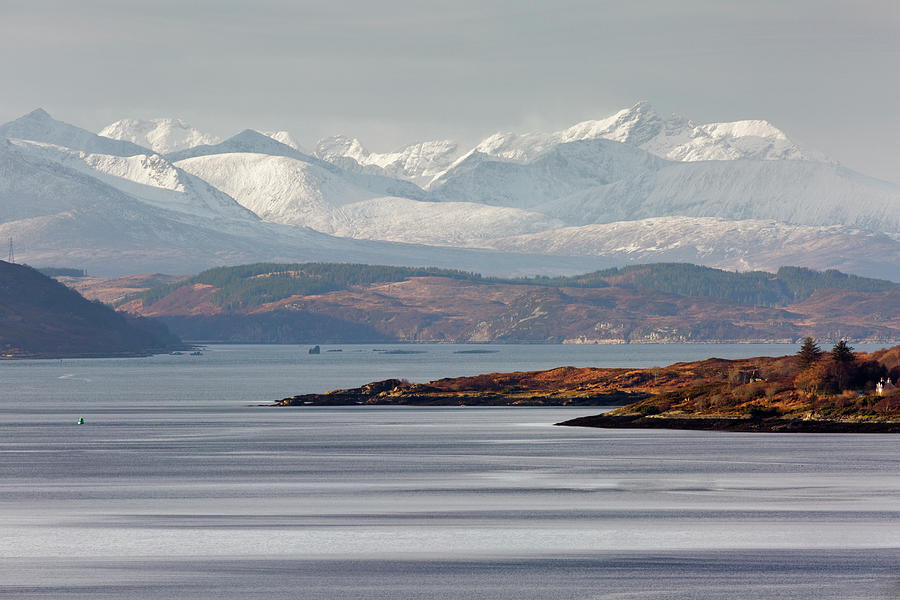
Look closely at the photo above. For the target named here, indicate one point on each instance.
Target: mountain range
(633, 187)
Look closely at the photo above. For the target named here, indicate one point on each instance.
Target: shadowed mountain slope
(40, 317)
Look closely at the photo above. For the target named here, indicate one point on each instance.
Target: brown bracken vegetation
(840, 391)
(762, 393)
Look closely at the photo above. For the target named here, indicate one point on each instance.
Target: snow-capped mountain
(280, 189)
(419, 162)
(285, 186)
(674, 138)
(115, 214)
(151, 179)
(38, 126)
(160, 135)
(630, 188)
(123, 165)
(559, 172)
(793, 192)
(285, 138)
(253, 142)
(167, 135)
(291, 192)
(601, 181)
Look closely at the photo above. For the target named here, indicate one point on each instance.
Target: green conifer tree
(842, 353)
(809, 353)
(843, 358)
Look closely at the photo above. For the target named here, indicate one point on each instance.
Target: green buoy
(81, 420)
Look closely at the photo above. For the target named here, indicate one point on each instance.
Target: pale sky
(827, 72)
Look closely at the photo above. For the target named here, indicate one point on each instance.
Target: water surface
(178, 486)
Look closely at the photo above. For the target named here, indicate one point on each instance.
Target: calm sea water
(179, 486)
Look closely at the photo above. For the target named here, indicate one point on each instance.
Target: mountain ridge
(589, 195)
(161, 135)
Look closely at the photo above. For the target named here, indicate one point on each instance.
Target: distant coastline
(72, 355)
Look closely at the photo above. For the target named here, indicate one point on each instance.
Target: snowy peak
(250, 141)
(278, 188)
(160, 135)
(427, 158)
(636, 126)
(419, 162)
(756, 140)
(285, 138)
(38, 114)
(558, 171)
(39, 126)
(739, 129)
(678, 138)
(674, 138)
(166, 136)
(148, 178)
(341, 146)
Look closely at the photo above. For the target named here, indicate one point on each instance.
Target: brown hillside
(445, 309)
(110, 290)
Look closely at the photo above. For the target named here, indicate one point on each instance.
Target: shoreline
(733, 424)
(61, 356)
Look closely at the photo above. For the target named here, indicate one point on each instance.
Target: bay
(179, 485)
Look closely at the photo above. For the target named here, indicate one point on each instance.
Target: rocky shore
(452, 392)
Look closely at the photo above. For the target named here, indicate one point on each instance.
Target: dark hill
(40, 317)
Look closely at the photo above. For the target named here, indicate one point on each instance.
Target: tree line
(246, 286)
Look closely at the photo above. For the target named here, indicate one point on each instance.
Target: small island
(811, 391)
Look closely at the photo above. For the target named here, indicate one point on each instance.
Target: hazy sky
(395, 71)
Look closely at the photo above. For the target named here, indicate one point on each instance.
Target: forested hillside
(246, 286)
(756, 288)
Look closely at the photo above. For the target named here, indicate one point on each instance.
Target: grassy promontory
(831, 393)
(790, 393)
(565, 386)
